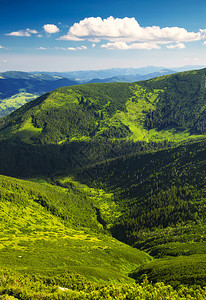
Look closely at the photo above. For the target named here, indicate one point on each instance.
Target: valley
(102, 192)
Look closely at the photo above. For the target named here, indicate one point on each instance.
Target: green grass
(8, 105)
(27, 131)
(15, 286)
(119, 111)
(103, 201)
(36, 238)
(173, 241)
(153, 200)
(175, 271)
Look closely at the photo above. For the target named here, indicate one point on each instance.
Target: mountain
(17, 88)
(112, 189)
(166, 108)
(188, 68)
(25, 75)
(162, 72)
(86, 76)
(133, 78)
(123, 78)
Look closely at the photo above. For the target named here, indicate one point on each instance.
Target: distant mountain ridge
(87, 75)
(26, 75)
(133, 78)
(13, 81)
(17, 88)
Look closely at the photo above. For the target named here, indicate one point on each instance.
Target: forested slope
(162, 200)
(119, 159)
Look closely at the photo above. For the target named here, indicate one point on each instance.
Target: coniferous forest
(103, 192)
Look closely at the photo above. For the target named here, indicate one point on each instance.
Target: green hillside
(50, 230)
(162, 208)
(167, 108)
(102, 121)
(18, 88)
(52, 253)
(113, 196)
(8, 105)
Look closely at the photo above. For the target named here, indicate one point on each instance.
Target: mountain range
(18, 88)
(87, 75)
(103, 191)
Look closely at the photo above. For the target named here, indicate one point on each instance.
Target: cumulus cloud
(77, 48)
(126, 33)
(32, 31)
(27, 32)
(176, 46)
(71, 48)
(125, 46)
(51, 28)
(1, 47)
(70, 38)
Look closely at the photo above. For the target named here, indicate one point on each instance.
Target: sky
(67, 35)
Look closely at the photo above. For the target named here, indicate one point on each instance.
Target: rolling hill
(112, 189)
(18, 88)
(164, 108)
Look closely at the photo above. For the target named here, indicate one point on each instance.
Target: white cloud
(128, 30)
(5, 61)
(197, 59)
(71, 48)
(51, 28)
(42, 48)
(124, 46)
(19, 33)
(203, 31)
(27, 32)
(32, 31)
(93, 45)
(70, 38)
(61, 48)
(1, 47)
(176, 46)
(77, 48)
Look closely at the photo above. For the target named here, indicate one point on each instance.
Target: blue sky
(69, 35)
